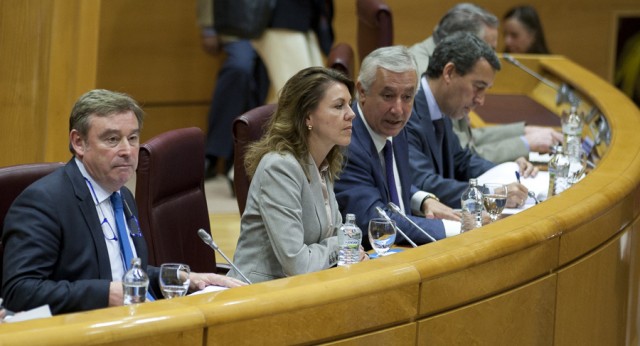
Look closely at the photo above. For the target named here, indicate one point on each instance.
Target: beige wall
(55, 50)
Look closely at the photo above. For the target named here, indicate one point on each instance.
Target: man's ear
(77, 143)
(448, 71)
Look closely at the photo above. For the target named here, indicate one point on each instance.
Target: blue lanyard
(132, 220)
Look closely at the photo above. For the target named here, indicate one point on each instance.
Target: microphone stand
(394, 208)
(386, 217)
(206, 238)
(564, 92)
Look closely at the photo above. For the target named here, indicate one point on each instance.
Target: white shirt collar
(378, 140)
(97, 192)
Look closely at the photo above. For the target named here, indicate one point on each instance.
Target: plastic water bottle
(472, 207)
(349, 240)
(135, 283)
(572, 124)
(559, 165)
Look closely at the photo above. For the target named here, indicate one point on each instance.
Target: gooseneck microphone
(206, 238)
(394, 208)
(386, 217)
(564, 92)
(536, 75)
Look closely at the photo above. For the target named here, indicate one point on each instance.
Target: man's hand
(527, 169)
(516, 195)
(541, 139)
(433, 209)
(200, 280)
(116, 296)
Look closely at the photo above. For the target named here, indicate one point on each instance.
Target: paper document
(39, 312)
(505, 173)
(209, 289)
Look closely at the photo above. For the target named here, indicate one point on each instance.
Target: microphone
(564, 92)
(206, 238)
(394, 208)
(513, 60)
(386, 217)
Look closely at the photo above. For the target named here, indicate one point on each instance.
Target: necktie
(123, 237)
(391, 181)
(438, 124)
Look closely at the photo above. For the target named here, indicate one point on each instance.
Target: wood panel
(523, 316)
(287, 312)
(162, 118)
(151, 50)
(47, 61)
(401, 335)
(595, 291)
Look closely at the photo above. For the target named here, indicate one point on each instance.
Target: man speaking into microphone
(376, 171)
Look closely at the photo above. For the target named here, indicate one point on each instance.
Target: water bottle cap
(351, 218)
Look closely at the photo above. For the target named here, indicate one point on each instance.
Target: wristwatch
(430, 195)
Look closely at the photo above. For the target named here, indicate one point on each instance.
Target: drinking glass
(382, 234)
(174, 279)
(494, 198)
(577, 167)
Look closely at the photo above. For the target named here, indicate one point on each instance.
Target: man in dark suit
(62, 243)
(460, 71)
(386, 87)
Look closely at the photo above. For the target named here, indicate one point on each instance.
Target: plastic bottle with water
(349, 240)
(558, 172)
(472, 207)
(572, 124)
(135, 283)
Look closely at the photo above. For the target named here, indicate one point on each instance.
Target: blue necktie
(391, 181)
(123, 237)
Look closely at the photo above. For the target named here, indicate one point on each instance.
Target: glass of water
(382, 234)
(494, 198)
(174, 279)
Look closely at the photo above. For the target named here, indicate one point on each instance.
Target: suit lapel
(90, 215)
(421, 107)
(318, 199)
(401, 152)
(361, 135)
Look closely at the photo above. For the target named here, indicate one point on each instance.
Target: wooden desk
(565, 272)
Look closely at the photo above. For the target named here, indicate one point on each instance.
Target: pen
(518, 176)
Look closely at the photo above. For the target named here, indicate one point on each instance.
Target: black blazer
(54, 247)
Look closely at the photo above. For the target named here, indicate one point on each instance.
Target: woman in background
(523, 31)
(290, 220)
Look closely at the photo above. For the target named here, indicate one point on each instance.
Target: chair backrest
(341, 58)
(247, 128)
(375, 26)
(171, 200)
(13, 180)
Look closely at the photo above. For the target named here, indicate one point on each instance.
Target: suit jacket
(362, 185)
(54, 247)
(498, 144)
(445, 175)
(283, 230)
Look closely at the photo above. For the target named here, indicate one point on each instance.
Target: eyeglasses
(109, 231)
